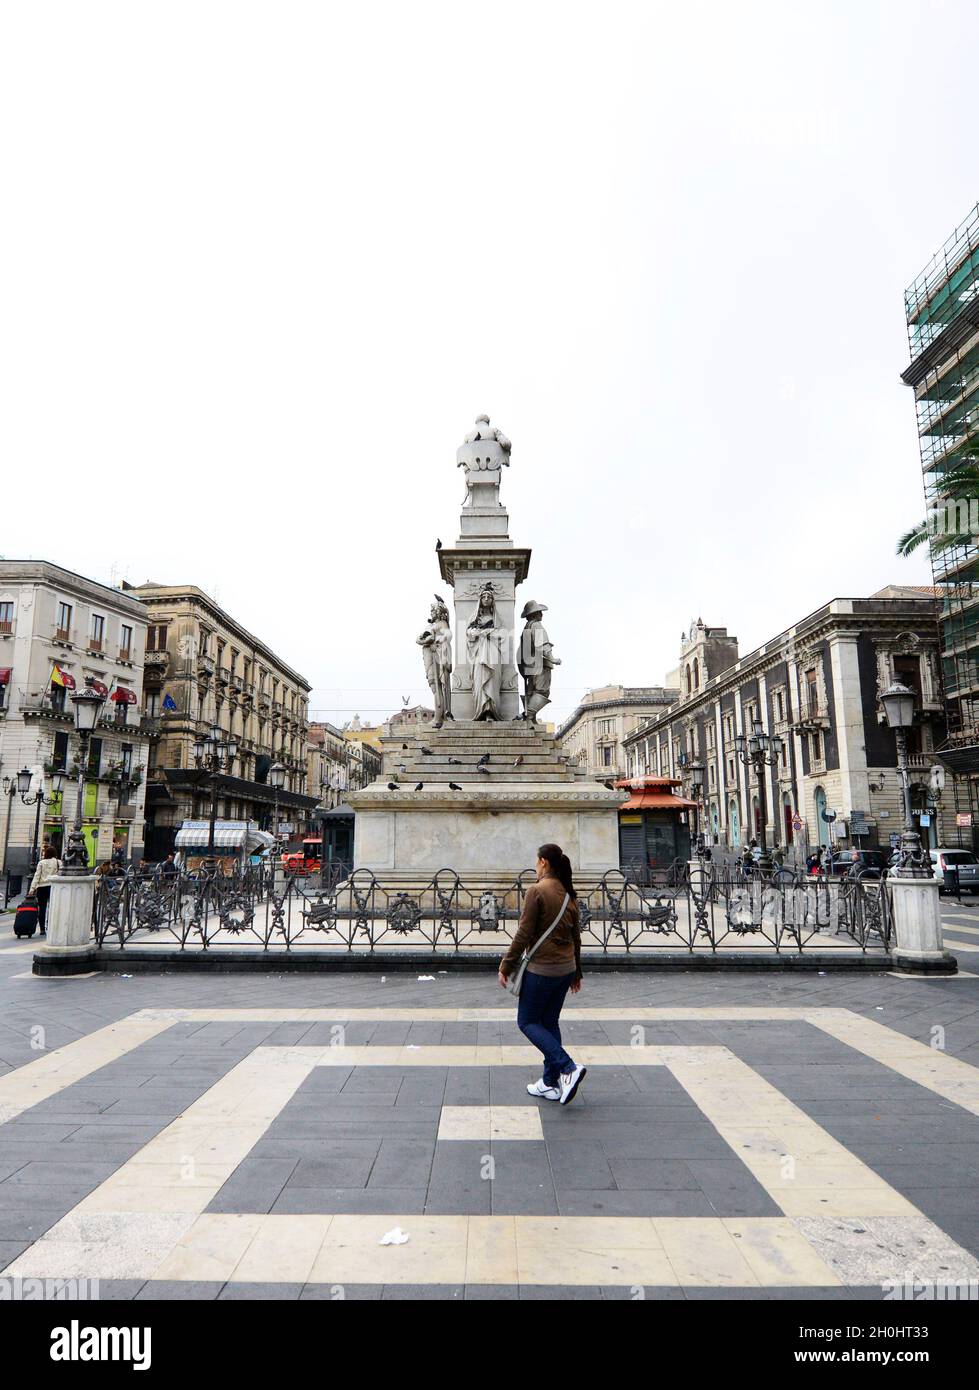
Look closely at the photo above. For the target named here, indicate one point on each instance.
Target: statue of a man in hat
(535, 661)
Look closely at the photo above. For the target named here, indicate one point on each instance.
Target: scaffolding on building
(942, 310)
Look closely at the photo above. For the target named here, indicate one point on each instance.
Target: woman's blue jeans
(540, 1004)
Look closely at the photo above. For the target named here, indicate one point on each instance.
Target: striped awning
(195, 834)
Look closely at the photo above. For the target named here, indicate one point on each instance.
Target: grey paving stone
(560, 1293)
(403, 1163)
(10, 1249)
(651, 1173)
(28, 1223)
(343, 1163)
(179, 1289)
(457, 1185)
(491, 1293)
(423, 1292)
(522, 1184)
(254, 1186)
(265, 1293)
(119, 1290)
(352, 1201)
(578, 1164)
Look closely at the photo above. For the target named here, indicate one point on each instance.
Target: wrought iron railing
(706, 910)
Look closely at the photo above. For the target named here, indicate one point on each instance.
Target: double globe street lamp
(21, 784)
(214, 754)
(760, 750)
(277, 780)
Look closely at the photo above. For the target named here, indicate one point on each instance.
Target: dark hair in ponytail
(559, 865)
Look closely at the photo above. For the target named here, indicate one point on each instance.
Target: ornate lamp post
(760, 750)
(22, 785)
(696, 771)
(898, 702)
(277, 779)
(215, 755)
(88, 708)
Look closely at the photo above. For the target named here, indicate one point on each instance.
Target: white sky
(263, 264)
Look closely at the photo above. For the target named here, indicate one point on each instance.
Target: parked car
(858, 861)
(963, 860)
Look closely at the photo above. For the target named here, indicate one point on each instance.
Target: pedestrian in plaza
(47, 868)
(547, 949)
(168, 868)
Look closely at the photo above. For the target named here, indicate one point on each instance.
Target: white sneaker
(570, 1081)
(541, 1091)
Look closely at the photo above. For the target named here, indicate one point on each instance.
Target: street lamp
(696, 771)
(214, 754)
(88, 707)
(898, 702)
(277, 778)
(21, 785)
(760, 750)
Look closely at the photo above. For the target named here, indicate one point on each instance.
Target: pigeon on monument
(481, 762)
(419, 786)
(454, 786)
(393, 787)
(484, 770)
(457, 761)
(428, 752)
(518, 760)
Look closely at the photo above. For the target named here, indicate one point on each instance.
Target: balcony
(6, 628)
(124, 654)
(41, 704)
(63, 635)
(95, 646)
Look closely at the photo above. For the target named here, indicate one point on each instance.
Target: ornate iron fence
(702, 910)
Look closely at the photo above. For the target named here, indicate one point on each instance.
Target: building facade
(57, 629)
(818, 686)
(327, 765)
(204, 670)
(365, 754)
(593, 737)
(942, 310)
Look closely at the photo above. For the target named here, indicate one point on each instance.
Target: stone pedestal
(69, 948)
(488, 830)
(917, 946)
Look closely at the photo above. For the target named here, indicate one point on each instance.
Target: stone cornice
(18, 572)
(501, 796)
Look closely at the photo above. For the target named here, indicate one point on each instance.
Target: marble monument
(480, 789)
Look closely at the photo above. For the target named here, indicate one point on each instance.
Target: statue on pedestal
(483, 453)
(485, 643)
(436, 645)
(536, 661)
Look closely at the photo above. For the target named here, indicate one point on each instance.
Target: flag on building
(169, 703)
(62, 678)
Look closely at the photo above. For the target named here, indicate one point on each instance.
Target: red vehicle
(305, 861)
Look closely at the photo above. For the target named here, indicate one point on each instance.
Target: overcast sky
(263, 264)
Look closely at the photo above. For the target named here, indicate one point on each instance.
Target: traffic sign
(797, 822)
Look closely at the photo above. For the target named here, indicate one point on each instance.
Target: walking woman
(549, 934)
(47, 869)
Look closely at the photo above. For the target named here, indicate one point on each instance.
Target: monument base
(484, 825)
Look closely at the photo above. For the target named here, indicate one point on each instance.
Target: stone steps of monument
(467, 778)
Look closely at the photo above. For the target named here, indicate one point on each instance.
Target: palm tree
(959, 485)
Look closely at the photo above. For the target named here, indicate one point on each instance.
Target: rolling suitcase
(25, 919)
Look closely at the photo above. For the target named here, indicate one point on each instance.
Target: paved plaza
(737, 1135)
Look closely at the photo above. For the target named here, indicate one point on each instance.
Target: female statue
(485, 639)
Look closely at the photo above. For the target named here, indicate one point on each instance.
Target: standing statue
(485, 639)
(536, 661)
(436, 645)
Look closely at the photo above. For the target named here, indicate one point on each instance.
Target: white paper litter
(426, 977)
(395, 1237)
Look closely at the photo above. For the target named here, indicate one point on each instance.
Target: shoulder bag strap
(541, 939)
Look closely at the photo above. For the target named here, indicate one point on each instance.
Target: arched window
(688, 678)
(696, 674)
